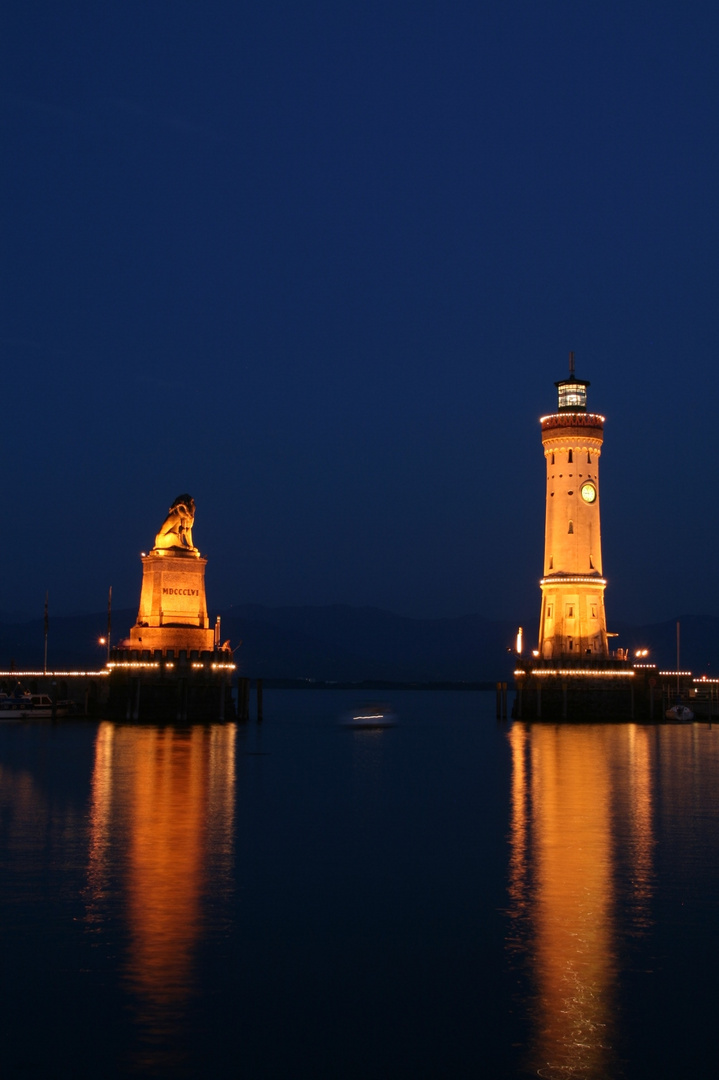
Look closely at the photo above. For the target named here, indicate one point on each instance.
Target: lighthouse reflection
(161, 825)
(567, 784)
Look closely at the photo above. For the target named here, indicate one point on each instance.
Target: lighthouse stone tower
(573, 623)
(572, 676)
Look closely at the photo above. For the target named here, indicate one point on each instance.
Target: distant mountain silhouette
(699, 643)
(346, 643)
(72, 641)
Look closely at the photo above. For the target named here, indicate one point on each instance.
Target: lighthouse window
(569, 459)
(549, 612)
(570, 612)
(552, 459)
(571, 527)
(589, 458)
(594, 611)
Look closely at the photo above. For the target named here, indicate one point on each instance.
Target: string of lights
(51, 674)
(583, 672)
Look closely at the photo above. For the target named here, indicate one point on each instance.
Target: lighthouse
(572, 676)
(572, 624)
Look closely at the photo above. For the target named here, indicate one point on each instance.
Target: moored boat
(679, 712)
(22, 705)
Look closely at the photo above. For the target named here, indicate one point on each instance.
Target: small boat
(369, 716)
(22, 705)
(679, 712)
(15, 706)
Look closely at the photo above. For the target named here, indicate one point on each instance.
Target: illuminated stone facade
(172, 668)
(173, 608)
(573, 621)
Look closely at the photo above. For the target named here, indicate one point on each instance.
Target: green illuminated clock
(588, 492)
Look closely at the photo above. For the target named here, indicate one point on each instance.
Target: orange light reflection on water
(561, 883)
(162, 810)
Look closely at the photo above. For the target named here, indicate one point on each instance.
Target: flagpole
(44, 670)
(109, 622)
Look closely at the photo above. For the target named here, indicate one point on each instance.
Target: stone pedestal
(173, 608)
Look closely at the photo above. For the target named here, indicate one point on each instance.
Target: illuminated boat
(370, 715)
(22, 705)
(679, 712)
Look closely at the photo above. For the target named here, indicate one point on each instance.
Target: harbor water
(451, 896)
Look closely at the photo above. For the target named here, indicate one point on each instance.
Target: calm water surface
(452, 897)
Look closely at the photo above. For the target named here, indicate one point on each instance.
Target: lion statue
(176, 529)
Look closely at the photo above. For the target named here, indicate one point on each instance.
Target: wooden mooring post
(243, 699)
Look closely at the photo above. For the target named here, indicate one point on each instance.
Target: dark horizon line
(10, 618)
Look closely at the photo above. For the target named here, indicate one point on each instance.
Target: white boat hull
(31, 707)
(679, 712)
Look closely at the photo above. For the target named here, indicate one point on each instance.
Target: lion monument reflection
(176, 529)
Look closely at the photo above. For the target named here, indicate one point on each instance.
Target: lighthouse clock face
(589, 492)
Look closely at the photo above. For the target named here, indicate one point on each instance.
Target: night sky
(320, 264)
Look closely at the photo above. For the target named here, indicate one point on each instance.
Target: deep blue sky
(320, 264)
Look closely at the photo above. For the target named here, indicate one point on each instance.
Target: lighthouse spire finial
(571, 365)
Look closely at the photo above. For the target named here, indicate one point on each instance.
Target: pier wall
(621, 694)
(87, 690)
